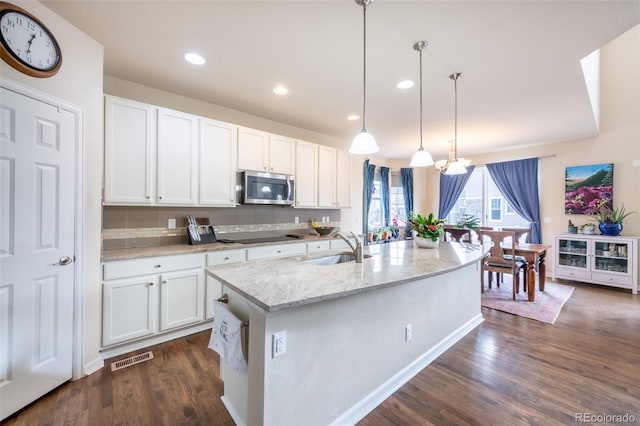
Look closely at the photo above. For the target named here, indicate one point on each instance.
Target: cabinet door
(129, 309)
(177, 158)
(181, 298)
(213, 293)
(129, 152)
(572, 253)
(282, 155)
(306, 174)
(253, 150)
(326, 176)
(217, 163)
(612, 255)
(343, 179)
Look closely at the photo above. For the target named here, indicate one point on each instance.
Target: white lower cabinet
(129, 309)
(597, 259)
(181, 298)
(145, 297)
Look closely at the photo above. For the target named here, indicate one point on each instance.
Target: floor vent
(128, 362)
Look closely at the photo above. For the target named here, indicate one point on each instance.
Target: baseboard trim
(232, 411)
(153, 340)
(384, 391)
(92, 366)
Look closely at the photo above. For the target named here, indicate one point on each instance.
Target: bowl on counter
(324, 230)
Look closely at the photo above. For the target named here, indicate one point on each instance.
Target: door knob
(64, 260)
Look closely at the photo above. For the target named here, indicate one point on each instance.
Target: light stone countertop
(142, 252)
(278, 284)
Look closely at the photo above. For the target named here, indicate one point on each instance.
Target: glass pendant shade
(421, 159)
(456, 168)
(364, 143)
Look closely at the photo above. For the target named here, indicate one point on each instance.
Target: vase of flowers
(426, 230)
(610, 219)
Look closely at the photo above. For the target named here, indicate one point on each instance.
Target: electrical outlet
(547, 220)
(279, 344)
(407, 332)
(171, 223)
(296, 220)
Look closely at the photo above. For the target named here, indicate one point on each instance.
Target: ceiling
(522, 80)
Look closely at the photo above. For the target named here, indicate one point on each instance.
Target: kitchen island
(354, 332)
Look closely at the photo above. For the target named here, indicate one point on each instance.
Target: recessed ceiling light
(405, 84)
(353, 117)
(194, 58)
(280, 90)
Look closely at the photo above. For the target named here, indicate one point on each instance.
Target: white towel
(226, 337)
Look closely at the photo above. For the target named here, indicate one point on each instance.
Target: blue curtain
(386, 196)
(368, 171)
(406, 178)
(451, 187)
(518, 182)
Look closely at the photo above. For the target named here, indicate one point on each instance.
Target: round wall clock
(26, 43)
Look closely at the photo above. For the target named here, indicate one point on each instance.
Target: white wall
(79, 82)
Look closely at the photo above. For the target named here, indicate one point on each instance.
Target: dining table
(534, 254)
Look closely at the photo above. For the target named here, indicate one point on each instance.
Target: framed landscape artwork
(587, 188)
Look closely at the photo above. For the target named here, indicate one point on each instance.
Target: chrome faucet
(357, 248)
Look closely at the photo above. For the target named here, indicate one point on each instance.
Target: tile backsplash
(141, 226)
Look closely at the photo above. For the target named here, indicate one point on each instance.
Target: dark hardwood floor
(510, 370)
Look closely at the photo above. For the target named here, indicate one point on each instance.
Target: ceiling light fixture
(421, 158)
(280, 90)
(454, 165)
(405, 84)
(194, 58)
(364, 142)
(353, 117)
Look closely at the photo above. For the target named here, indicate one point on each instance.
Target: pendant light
(364, 142)
(421, 158)
(457, 165)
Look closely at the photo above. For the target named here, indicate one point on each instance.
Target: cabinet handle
(279, 251)
(151, 283)
(164, 281)
(226, 258)
(148, 197)
(160, 197)
(157, 266)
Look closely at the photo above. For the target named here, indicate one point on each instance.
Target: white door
(253, 150)
(282, 155)
(37, 169)
(326, 176)
(306, 174)
(181, 298)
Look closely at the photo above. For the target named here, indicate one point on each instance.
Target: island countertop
(278, 284)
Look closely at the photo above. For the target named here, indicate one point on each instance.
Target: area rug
(545, 308)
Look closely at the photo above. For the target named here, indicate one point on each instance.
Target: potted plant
(426, 230)
(610, 219)
(468, 221)
(571, 228)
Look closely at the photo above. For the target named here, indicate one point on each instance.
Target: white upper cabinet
(217, 184)
(326, 176)
(306, 174)
(253, 150)
(264, 152)
(130, 152)
(343, 179)
(282, 155)
(177, 158)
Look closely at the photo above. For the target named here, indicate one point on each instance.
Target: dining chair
(495, 260)
(451, 233)
(519, 233)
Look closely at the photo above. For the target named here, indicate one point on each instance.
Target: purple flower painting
(587, 188)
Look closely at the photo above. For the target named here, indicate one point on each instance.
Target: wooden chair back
(495, 259)
(519, 233)
(451, 233)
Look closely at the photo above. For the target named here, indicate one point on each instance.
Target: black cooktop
(272, 239)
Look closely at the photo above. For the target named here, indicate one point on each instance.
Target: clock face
(29, 43)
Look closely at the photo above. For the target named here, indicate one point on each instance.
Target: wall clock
(26, 43)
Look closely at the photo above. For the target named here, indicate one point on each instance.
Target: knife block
(205, 231)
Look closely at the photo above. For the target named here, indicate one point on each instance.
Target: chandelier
(454, 165)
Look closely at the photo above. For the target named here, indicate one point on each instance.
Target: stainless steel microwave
(265, 188)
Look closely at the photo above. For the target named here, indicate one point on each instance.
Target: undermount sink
(335, 259)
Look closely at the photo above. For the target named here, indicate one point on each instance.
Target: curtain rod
(539, 158)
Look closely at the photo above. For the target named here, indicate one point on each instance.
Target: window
(375, 208)
(496, 209)
(482, 198)
(397, 210)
